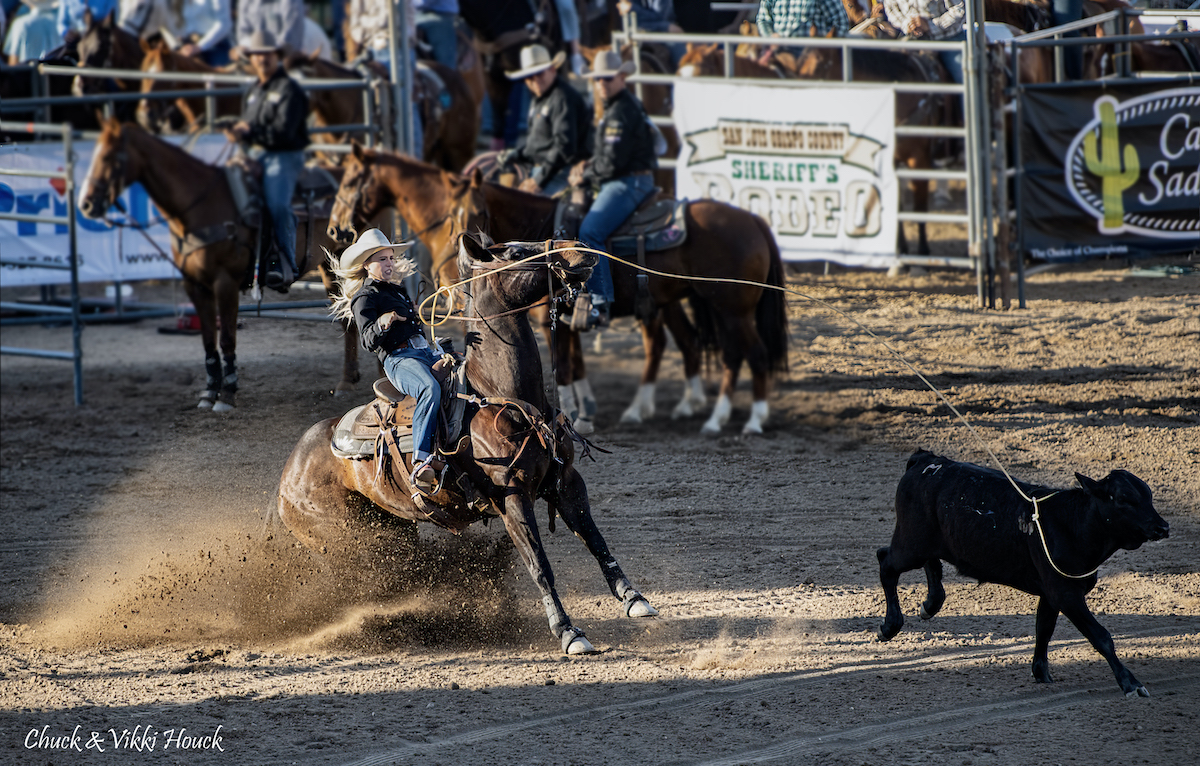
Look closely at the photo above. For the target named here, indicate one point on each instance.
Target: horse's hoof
(585, 426)
(925, 615)
(631, 415)
(205, 403)
(222, 407)
(1141, 691)
(752, 430)
(640, 607)
(575, 642)
(682, 410)
(709, 429)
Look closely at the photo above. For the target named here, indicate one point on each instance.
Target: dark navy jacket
(373, 301)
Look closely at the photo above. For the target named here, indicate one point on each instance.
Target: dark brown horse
(520, 450)
(182, 114)
(450, 126)
(104, 45)
(195, 199)
(746, 322)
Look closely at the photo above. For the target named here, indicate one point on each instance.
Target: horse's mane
(177, 153)
(177, 61)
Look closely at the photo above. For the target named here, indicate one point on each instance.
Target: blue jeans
(280, 171)
(952, 60)
(439, 32)
(617, 199)
(218, 55)
(1064, 12)
(409, 370)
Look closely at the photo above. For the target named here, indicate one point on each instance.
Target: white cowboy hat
(369, 242)
(608, 64)
(262, 41)
(534, 59)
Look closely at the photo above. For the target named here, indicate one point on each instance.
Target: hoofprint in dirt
(137, 591)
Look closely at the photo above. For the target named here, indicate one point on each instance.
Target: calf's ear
(1092, 487)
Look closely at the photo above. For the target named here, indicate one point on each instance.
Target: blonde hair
(352, 280)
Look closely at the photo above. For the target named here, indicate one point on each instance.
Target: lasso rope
(433, 322)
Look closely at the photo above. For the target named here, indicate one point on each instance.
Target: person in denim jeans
(435, 19)
(622, 166)
(273, 122)
(371, 272)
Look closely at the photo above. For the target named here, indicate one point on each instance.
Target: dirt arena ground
(144, 618)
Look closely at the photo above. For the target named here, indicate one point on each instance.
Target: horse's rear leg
(206, 312)
(681, 329)
(739, 342)
(576, 513)
(654, 342)
(226, 290)
(921, 205)
(521, 526)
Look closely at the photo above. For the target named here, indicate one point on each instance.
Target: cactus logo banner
(1110, 172)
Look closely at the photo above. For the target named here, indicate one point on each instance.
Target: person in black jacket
(371, 273)
(558, 124)
(622, 166)
(273, 122)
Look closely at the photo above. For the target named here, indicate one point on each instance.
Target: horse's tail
(770, 315)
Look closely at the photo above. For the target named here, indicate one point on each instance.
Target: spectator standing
(796, 18)
(435, 20)
(622, 166)
(282, 19)
(1064, 12)
(208, 30)
(568, 22)
(558, 123)
(72, 16)
(33, 33)
(932, 20)
(273, 122)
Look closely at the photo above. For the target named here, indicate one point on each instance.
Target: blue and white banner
(106, 253)
(816, 163)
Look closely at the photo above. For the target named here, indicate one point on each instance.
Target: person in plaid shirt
(794, 18)
(930, 20)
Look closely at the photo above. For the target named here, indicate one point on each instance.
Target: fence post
(76, 322)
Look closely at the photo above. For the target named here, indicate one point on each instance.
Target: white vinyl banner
(816, 163)
(106, 253)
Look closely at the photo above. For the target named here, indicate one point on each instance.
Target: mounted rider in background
(622, 166)
(559, 122)
(273, 122)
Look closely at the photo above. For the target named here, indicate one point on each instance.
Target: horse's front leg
(226, 291)
(576, 512)
(206, 312)
(521, 525)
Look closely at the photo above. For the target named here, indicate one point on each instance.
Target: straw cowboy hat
(370, 242)
(608, 64)
(262, 41)
(534, 59)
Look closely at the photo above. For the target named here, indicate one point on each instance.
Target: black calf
(973, 518)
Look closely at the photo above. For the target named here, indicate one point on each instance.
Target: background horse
(182, 114)
(502, 28)
(104, 45)
(747, 323)
(518, 450)
(451, 123)
(195, 199)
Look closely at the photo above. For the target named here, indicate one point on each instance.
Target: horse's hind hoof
(639, 607)
(575, 642)
(222, 407)
(585, 426)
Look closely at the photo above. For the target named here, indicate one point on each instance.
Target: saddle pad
(662, 224)
(350, 443)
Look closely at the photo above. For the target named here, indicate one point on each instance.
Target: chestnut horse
(194, 197)
(182, 114)
(519, 448)
(747, 322)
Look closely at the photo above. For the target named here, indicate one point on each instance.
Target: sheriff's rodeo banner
(1112, 171)
(817, 164)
